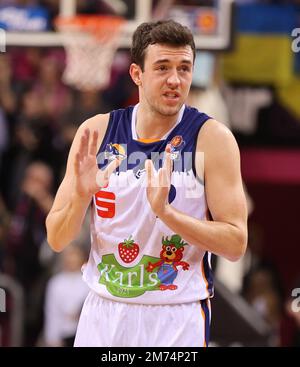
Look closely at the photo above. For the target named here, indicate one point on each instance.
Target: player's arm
(226, 235)
(75, 193)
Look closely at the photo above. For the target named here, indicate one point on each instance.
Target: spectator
(3, 135)
(25, 235)
(4, 222)
(262, 289)
(7, 97)
(34, 140)
(56, 96)
(65, 295)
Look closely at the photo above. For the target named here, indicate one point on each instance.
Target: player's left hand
(158, 183)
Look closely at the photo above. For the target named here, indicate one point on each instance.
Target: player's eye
(162, 68)
(185, 68)
(174, 249)
(168, 248)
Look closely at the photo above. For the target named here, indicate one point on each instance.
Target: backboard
(210, 20)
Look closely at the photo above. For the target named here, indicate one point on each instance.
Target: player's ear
(135, 73)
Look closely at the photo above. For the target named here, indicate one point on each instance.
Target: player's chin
(171, 110)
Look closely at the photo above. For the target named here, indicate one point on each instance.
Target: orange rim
(96, 24)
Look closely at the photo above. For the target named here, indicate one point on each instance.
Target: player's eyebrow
(162, 61)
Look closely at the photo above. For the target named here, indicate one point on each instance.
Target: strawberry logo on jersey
(170, 258)
(128, 250)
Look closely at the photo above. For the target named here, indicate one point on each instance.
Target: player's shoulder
(213, 129)
(97, 122)
(217, 146)
(100, 122)
(214, 135)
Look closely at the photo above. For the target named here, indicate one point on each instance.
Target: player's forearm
(64, 225)
(220, 238)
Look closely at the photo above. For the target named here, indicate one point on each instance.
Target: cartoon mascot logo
(170, 258)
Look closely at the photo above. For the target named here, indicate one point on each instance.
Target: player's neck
(151, 125)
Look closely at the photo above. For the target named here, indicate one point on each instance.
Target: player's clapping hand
(158, 183)
(88, 177)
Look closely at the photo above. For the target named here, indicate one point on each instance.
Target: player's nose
(173, 80)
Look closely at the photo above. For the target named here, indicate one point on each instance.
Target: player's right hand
(88, 177)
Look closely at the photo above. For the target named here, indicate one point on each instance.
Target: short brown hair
(164, 32)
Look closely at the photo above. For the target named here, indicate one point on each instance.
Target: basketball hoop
(90, 42)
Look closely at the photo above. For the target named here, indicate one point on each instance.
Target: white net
(90, 43)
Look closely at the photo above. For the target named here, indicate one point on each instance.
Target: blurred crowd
(39, 116)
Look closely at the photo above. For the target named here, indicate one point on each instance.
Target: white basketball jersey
(135, 257)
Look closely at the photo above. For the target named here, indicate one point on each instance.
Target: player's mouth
(171, 97)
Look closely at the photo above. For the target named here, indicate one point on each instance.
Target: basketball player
(159, 209)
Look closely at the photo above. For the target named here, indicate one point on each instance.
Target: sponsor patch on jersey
(176, 144)
(150, 274)
(113, 151)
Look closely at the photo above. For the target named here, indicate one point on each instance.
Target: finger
(150, 172)
(168, 163)
(163, 178)
(81, 146)
(93, 146)
(77, 164)
(110, 168)
(86, 141)
(168, 148)
(166, 171)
